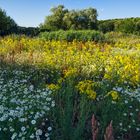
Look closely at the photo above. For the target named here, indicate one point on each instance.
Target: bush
(83, 35)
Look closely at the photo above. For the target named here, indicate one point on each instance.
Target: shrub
(83, 35)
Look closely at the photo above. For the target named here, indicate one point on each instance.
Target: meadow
(52, 89)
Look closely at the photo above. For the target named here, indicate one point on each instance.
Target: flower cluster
(86, 87)
(23, 107)
(119, 64)
(112, 70)
(113, 94)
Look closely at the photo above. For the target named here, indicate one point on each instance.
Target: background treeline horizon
(64, 19)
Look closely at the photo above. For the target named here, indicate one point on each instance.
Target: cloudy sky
(32, 12)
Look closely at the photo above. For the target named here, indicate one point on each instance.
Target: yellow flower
(86, 87)
(70, 72)
(60, 80)
(91, 94)
(53, 87)
(114, 95)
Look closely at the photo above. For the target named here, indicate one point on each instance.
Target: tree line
(9, 26)
(126, 25)
(64, 19)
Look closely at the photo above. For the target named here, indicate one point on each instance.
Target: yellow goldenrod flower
(114, 95)
(86, 87)
(53, 87)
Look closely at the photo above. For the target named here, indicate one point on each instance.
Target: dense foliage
(81, 35)
(85, 78)
(65, 19)
(28, 31)
(128, 25)
(7, 24)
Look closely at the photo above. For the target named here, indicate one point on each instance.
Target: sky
(30, 13)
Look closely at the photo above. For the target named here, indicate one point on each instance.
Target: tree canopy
(65, 19)
(7, 24)
(126, 25)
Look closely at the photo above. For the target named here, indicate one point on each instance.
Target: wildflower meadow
(77, 90)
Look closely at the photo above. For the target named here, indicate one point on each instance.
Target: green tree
(126, 26)
(137, 27)
(7, 24)
(54, 21)
(71, 20)
(64, 19)
(91, 16)
(106, 26)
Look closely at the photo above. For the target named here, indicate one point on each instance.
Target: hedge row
(81, 35)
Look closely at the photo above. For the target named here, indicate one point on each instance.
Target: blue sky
(32, 12)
